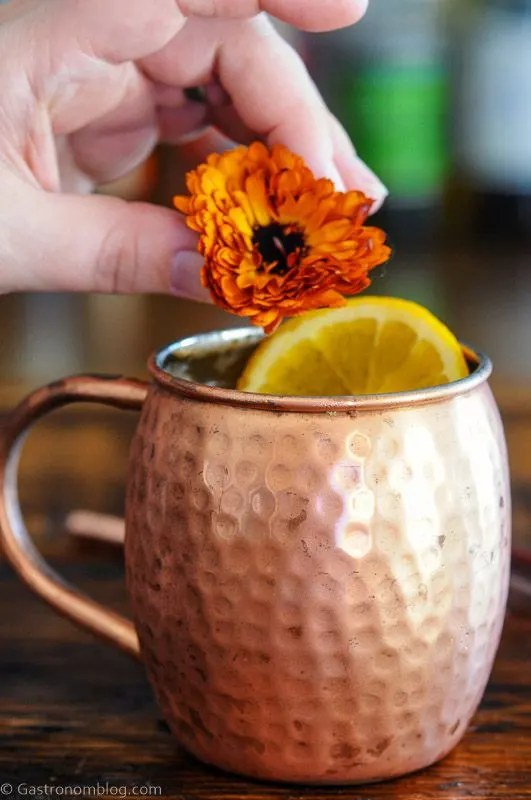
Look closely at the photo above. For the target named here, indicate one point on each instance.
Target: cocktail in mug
(318, 584)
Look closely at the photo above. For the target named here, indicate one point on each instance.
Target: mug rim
(312, 405)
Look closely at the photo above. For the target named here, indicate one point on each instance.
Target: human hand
(89, 88)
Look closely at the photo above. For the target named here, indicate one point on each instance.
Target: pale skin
(88, 88)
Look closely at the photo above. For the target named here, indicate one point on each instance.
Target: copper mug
(318, 584)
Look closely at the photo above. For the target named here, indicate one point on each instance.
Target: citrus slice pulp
(372, 345)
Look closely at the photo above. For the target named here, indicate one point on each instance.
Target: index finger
(309, 15)
(265, 78)
(123, 30)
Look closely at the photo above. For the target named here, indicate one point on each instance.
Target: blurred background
(436, 94)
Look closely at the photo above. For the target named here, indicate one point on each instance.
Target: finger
(224, 116)
(102, 244)
(105, 156)
(120, 140)
(112, 30)
(125, 30)
(266, 80)
(213, 109)
(79, 55)
(311, 15)
(72, 179)
(354, 172)
(177, 125)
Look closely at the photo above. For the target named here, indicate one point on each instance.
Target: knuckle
(118, 256)
(220, 8)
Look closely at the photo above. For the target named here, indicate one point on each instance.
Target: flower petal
(331, 233)
(324, 250)
(244, 203)
(182, 204)
(240, 220)
(256, 192)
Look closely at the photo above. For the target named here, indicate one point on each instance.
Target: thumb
(103, 244)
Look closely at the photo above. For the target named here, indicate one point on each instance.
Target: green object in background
(397, 116)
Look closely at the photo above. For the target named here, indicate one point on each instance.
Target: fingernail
(185, 276)
(369, 183)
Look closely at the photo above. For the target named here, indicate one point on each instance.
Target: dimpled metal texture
(319, 597)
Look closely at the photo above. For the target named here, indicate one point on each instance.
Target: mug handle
(123, 393)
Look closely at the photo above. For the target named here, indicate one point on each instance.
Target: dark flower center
(276, 244)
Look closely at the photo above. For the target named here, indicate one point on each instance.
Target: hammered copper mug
(318, 585)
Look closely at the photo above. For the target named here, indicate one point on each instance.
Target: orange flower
(276, 241)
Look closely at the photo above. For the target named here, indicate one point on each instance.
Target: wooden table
(73, 712)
